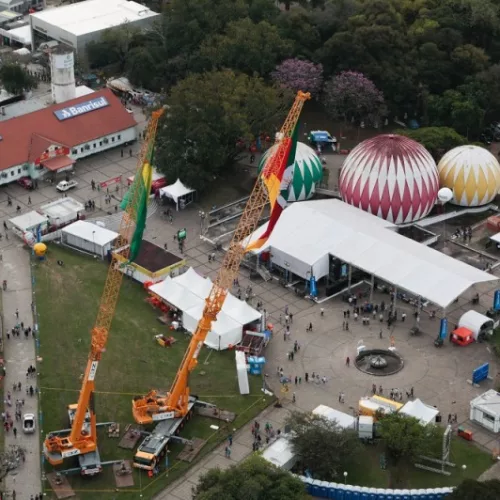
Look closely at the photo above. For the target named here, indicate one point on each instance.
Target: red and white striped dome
(392, 177)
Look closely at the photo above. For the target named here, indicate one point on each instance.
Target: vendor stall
(179, 193)
(88, 238)
(187, 293)
(343, 420)
(30, 222)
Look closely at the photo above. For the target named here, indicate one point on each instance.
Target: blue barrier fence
(324, 489)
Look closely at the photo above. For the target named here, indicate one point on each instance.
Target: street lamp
(345, 477)
(202, 215)
(93, 240)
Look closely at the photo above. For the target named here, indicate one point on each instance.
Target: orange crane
(81, 439)
(175, 404)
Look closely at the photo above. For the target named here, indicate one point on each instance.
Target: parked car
(25, 182)
(29, 423)
(66, 185)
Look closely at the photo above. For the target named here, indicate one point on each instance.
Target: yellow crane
(82, 437)
(155, 407)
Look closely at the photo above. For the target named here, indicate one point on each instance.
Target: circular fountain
(379, 362)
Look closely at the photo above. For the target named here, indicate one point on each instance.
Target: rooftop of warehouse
(93, 15)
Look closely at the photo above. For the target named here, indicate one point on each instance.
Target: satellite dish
(445, 195)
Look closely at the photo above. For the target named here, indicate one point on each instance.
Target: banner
(443, 329)
(496, 301)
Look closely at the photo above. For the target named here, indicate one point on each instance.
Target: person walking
(29, 200)
(294, 398)
(228, 452)
(230, 439)
(347, 361)
(17, 313)
(15, 432)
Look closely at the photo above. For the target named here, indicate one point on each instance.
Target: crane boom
(79, 440)
(176, 402)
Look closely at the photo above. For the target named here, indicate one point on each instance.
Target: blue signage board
(81, 108)
(480, 373)
(496, 301)
(443, 329)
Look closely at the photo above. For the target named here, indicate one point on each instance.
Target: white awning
(28, 221)
(308, 232)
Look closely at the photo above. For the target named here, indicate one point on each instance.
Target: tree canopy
(437, 140)
(254, 479)
(207, 116)
(15, 79)
(476, 490)
(406, 439)
(297, 74)
(352, 96)
(325, 449)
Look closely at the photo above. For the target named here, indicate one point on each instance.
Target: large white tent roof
(187, 292)
(310, 230)
(90, 232)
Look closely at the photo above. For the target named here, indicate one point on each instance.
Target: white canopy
(309, 231)
(422, 412)
(343, 420)
(188, 292)
(28, 221)
(176, 191)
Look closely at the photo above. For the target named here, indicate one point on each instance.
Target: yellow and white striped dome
(472, 173)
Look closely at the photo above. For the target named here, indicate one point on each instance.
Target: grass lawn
(67, 298)
(369, 473)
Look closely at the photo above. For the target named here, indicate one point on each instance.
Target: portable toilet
(314, 490)
(323, 488)
(433, 494)
(363, 493)
(333, 491)
(372, 494)
(356, 492)
(418, 494)
(307, 482)
(381, 494)
(405, 494)
(348, 494)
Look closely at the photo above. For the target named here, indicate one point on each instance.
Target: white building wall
(81, 151)
(52, 32)
(104, 143)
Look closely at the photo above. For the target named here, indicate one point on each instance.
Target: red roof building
(29, 144)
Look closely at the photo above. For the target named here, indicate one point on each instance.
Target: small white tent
(187, 293)
(179, 193)
(425, 414)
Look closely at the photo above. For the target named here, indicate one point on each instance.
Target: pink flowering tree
(297, 74)
(352, 96)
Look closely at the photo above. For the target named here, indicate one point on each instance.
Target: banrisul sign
(81, 108)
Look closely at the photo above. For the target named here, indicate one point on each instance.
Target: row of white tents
(187, 293)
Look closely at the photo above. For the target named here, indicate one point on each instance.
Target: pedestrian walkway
(19, 354)
(241, 448)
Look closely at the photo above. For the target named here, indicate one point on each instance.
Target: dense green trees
(253, 479)
(325, 449)
(436, 61)
(15, 79)
(475, 490)
(207, 116)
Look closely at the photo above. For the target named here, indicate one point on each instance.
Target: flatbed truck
(154, 447)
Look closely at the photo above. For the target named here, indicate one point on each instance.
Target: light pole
(93, 240)
(345, 477)
(202, 215)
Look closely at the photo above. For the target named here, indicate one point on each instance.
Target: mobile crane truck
(175, 408)
(81, 439)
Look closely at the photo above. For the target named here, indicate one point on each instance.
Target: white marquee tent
(425, 414)
(309, 231)
(188, 292)
(89, 237)
(179, 193)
